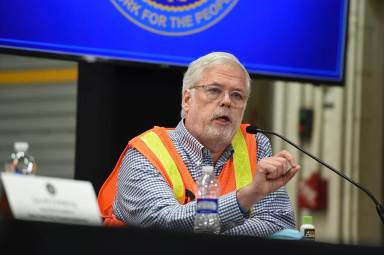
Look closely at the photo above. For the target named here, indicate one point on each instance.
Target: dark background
(117, 102)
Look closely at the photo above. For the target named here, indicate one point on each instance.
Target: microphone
(379, 207)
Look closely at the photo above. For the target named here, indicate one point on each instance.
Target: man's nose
(226, 99)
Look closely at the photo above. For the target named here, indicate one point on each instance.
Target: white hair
(196, 68)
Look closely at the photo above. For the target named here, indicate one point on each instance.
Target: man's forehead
(223, 73)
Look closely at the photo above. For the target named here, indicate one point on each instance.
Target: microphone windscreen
(252, 130)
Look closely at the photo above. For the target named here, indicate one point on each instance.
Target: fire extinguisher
(312, 193)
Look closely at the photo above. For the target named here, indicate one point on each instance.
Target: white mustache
(221, 114)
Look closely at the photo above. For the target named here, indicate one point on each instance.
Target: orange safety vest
(157, 146)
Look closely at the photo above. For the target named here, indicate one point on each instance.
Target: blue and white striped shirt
(144, 198)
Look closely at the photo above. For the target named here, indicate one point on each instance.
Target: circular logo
(175, 17)
(50, 188)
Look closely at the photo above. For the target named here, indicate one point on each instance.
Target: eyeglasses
(215, 92)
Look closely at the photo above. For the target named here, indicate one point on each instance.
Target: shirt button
(198, 163)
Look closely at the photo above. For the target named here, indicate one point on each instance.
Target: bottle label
(207, 205)
(309, 234)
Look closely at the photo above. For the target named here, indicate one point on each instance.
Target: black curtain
(115, 103)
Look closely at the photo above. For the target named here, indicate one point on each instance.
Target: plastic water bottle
(20, 162)
(207, 208)
(307, 228)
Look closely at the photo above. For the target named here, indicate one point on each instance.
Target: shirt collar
(190, 143)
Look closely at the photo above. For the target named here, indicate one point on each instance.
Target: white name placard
(51, 199)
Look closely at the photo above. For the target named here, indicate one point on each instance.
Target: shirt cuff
(246, 213)
(229, 211)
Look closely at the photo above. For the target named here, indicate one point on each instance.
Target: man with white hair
(154, 181)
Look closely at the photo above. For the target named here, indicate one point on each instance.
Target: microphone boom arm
(379, 207)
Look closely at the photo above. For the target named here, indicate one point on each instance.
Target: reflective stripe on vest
(242, 166)
(153, 142)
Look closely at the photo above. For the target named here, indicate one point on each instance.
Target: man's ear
(186, 100)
